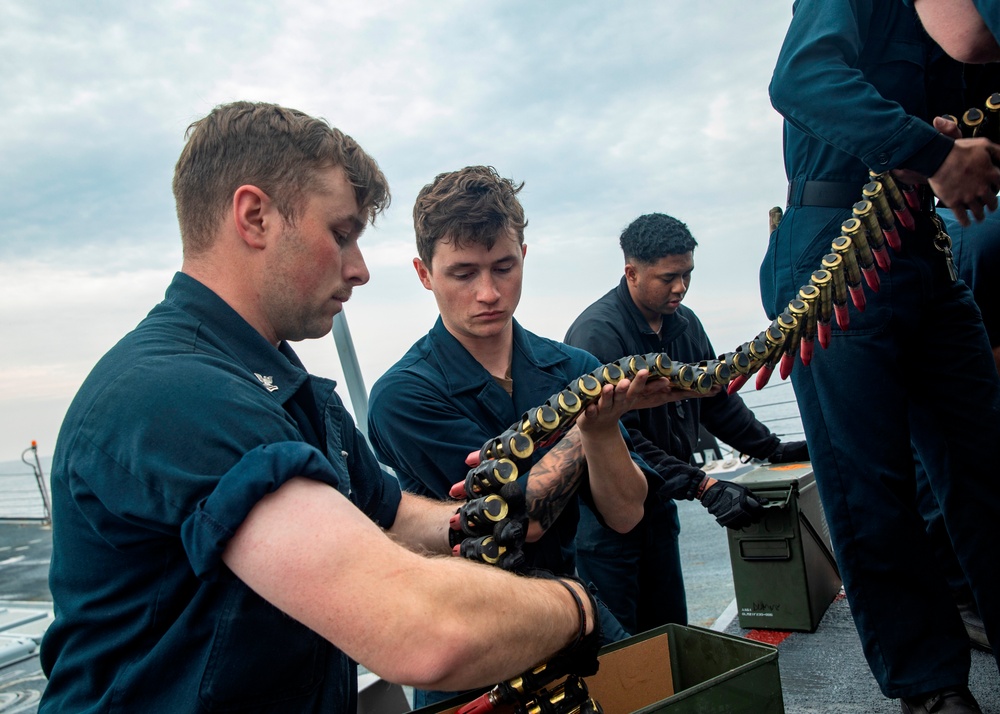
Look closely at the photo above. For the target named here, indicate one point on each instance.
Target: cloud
(605, 112)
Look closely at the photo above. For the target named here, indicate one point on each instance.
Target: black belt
(827, 194)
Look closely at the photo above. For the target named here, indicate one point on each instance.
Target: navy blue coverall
(177, 433)
(916, 365)
(437, 404)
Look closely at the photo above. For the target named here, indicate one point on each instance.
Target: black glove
(492, 529)
(733, 505)
(789, 451)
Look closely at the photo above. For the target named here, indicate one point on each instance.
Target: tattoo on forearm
(554, 480)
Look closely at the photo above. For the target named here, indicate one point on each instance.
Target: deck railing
(24, 496)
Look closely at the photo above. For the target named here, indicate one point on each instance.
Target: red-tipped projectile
(842, 315)
(857, 297)
(823, 330)
(764, 375)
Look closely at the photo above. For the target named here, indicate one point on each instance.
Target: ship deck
(821, 672)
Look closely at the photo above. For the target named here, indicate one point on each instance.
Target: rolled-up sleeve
(263, 470)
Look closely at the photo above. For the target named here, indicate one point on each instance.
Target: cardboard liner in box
(683, 670)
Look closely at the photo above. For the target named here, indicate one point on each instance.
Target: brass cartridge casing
(853, 229)
(843, 247)
(833, 263)
(865, 211)
(824, 283)
(873, 192)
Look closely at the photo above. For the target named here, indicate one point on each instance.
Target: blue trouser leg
(977, 253)
(637, 574)
(915, 364)
(662, 598)
(611, 629)
(944, 551)
(610, 560)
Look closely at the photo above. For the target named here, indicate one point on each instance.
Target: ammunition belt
(855, 254)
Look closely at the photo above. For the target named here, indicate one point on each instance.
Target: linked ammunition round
(568, 402)
(513, 444)
(992, 118)
(990, 128)
(774, 337)
(853, 229)
(565, 698)
(787, 322)
(632, 365)
(797, 308)
(873, 192)
(542, 419)
(835, 265)
(844, 247)
(702, 383)
(823, 281)
(492, 508)
(718, 370)
(682, 375)
(865, 211)
(809, 294)
(611, 373)
(485, 549)
(588, 385)
(759, 348)
(489, 476)
(972, 122)
(891, 189)
(740, 361)
(900, 206)
(658, 363)
(799, 311)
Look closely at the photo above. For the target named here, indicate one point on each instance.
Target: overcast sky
(605, 110)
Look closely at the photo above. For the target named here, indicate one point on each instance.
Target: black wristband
(579, 606)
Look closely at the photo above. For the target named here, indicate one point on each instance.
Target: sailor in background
(639, 573)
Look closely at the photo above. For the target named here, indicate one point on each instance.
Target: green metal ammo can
(784, 571)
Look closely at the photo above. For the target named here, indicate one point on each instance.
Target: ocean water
(20, 495)
(775, 406)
